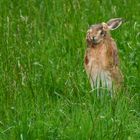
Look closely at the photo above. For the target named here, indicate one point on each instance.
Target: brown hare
(101, 56)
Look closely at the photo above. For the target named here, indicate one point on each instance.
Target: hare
(101, 56)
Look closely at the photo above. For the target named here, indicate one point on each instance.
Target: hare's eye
(102, 33)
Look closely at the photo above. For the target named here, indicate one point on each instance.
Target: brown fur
(102, 56)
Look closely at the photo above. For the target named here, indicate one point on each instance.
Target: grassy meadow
(44, 91)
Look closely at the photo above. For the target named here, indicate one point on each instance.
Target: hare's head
(97, 33)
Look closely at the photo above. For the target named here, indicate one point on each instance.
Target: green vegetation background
(44, 90)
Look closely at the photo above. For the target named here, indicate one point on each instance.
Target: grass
(44, 91)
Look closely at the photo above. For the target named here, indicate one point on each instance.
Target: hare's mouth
(96, 42)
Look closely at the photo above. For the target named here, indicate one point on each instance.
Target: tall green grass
(44, 91)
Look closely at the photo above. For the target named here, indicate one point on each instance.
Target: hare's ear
(114, 23)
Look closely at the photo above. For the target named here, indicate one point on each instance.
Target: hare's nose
(94, 39)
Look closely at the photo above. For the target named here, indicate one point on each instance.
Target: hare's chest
(96, 58)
